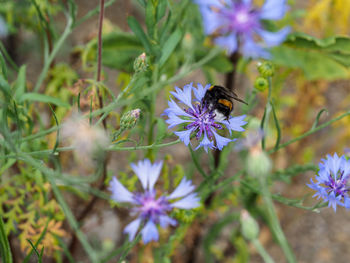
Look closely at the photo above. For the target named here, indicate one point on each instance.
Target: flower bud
(129, 119)
(266, 69)
(140, 63)
(261, 84)
(249, 227)
(188, 42)
(258, 163)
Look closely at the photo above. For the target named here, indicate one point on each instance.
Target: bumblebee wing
(235, 97)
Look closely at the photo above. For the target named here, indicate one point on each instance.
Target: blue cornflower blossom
(150, 209)
(236, 24)
(332, 181)
(199, 120)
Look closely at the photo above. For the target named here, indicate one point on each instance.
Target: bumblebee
(220, 100)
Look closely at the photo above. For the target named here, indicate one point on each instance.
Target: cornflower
(238, 25)
(332, 181)
(198, 120)
(150, 209)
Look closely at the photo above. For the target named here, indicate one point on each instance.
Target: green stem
(155, 87)
(268, 110)
(273, 220)
(310, 132)
(143, 147)
(261, 250)
(57, 47)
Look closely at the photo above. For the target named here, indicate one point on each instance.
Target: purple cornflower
(150, 209)
(199, 120)
(332, 181)
(236, 24)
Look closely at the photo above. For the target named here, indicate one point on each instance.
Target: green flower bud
(261, 84)
(188, 42)
(129, 119)
(140, 63)
(249, 227)
(266, 69)
(185, 216)
(258, 163)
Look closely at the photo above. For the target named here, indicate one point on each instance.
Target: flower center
(150, 207)
(204, 119)
(240, 18)
(337, 184)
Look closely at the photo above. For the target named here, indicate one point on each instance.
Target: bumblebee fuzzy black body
(220, 100)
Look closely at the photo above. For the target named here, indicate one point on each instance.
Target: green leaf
(161, 130)
(169, 46)
(32, 96)
(220, 62)
(327, 58)
(4, 244)
(20, 85)
(5, 87)
(314, 125)
(278, 128)
(120, 50)
(3, 65)
(161, 9)
(140, 34)
(150, 18)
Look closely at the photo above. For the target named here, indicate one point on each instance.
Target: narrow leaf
(4, 244)
(169, 46)
(278, 128)
(20, 85)
(314, 125)
(3, 65)
(32, 96)
(137, 29)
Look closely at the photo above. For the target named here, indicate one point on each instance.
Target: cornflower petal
(206, 143)
(185, 136)
(228, 42)
(142, 170)
(184, 95)
(188, 202)
(274, 38)
(175, 109)
(221, 141)
(164, 221)
(235, 123)
(132, 228)
(149, 232)
(119, 192)
(253, 50)
(273, 9)
(184, 188)
(154, 174)
(175, 120)
(200, 91)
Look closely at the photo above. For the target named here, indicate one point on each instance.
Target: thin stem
(99, 48)
(261, 250)
(273, 220)
(310, 132)
(57, 47)
(81, 216)
(231, 76)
